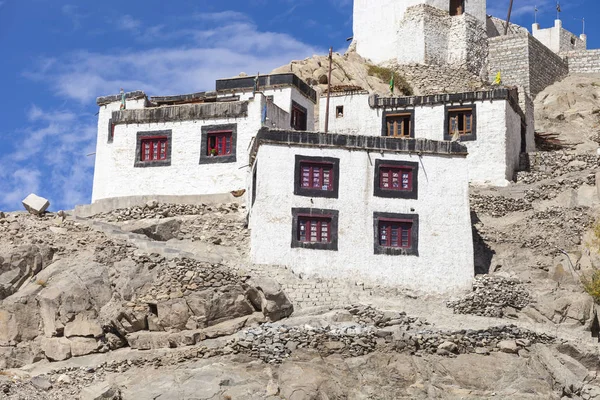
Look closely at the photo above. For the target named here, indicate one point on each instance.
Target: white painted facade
(493, 156)
(445, 260)
(418, 31)
(559, 39)
(116, 176)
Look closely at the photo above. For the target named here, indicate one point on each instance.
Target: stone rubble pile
(546, 165)
(549, 191)
(491, 296)
(497, 206)
(367, 315)
(153, 209)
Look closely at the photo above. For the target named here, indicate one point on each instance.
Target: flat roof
(355, 142)
(285, 79)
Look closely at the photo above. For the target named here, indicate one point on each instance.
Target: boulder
(173, 313)
(35, 204)
(101, 391)
(83, 346)
(266, 295)
(225, 328)
(508, 346)
(41, 383)
(56, 349)
(211, 308)
(148, 340)
(83, 326)
(448, 346)
(156, 229)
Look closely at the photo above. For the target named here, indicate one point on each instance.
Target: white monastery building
(362, 206)
(192, 144)
(383, 196)
(489, 123)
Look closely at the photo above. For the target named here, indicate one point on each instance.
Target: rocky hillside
(161, 302)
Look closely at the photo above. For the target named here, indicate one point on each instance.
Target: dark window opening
(317, 176)
(457, 7)
(254, 175)
(219, 143)
(395, 234)
(314, 229)
(299, 118)
(153, 309)
(154, 149)
(573, 41)
(395, 178)
(398, 125)
(339, 112)
(461, 122)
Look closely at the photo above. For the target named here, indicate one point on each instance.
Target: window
(396, 234)
(314, 228)
(316, 176)
(153, 149)
(298, 117)
(339, 112)
(111, 131)
(457, 7)
(218, 144)
(398, 124)
(460, 123)
(396, 179)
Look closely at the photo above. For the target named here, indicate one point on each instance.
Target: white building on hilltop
(421, 31)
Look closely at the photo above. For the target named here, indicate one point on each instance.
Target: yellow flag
(498, 80)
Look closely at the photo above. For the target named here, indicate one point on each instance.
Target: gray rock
(41, 383)
(35, 204)
(101, 391)
(267, 296)
(83, 346)
(56, 349)
(508, 346)
(84, 327)
(173, 313)
(448, 346)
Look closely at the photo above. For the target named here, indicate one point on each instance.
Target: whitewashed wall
(380, 36)
(116, 176)
(557, 38)
(445, 260)
(283, 97)
(493, 156)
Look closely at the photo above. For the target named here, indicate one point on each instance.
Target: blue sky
(58, 56)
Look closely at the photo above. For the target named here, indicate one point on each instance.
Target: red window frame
(395, 233)
(403, 175)
(322, 228)
(220, 141)
(316, 175)
(154, 148)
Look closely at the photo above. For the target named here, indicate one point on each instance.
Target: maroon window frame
(316, 175)
(397, 178)
(299, 118)
(395, 233)
(154, 148)
(314, 229)
(219, 143)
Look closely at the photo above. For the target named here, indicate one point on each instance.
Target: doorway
(457, 7)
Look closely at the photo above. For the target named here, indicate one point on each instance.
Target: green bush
(591, 284)
(385, 74)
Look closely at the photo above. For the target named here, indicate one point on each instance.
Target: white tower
(410, 31)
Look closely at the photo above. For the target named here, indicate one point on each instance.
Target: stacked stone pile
(275, 343)
(368, 315)
(153, 209)
(546, 165)
(551, 190)
(497, 206)
(557, 228)
(491, 296)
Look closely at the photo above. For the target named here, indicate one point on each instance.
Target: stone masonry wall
(583, 62)
(509, 56)
(545, 67)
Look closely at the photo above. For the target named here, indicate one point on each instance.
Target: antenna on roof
(535, 11)
(558, 10)
(508, 18)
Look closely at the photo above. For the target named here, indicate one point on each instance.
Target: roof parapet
(273, 80)
(135, 95)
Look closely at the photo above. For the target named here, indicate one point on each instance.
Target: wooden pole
(508, 18)
(328, 91)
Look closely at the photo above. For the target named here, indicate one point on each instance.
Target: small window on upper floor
(316, 176)
(398, 125)
(460, 123)
(339, 112)
(153, 149)
(396, 179)
(218, 144)
(457, 7)
(299, 117)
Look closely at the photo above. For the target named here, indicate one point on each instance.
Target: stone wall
(545, 67)
(583, 62)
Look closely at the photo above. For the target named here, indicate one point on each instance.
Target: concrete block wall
(583, 62)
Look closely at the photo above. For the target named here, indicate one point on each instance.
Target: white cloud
(208, 54)
(128, 23)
